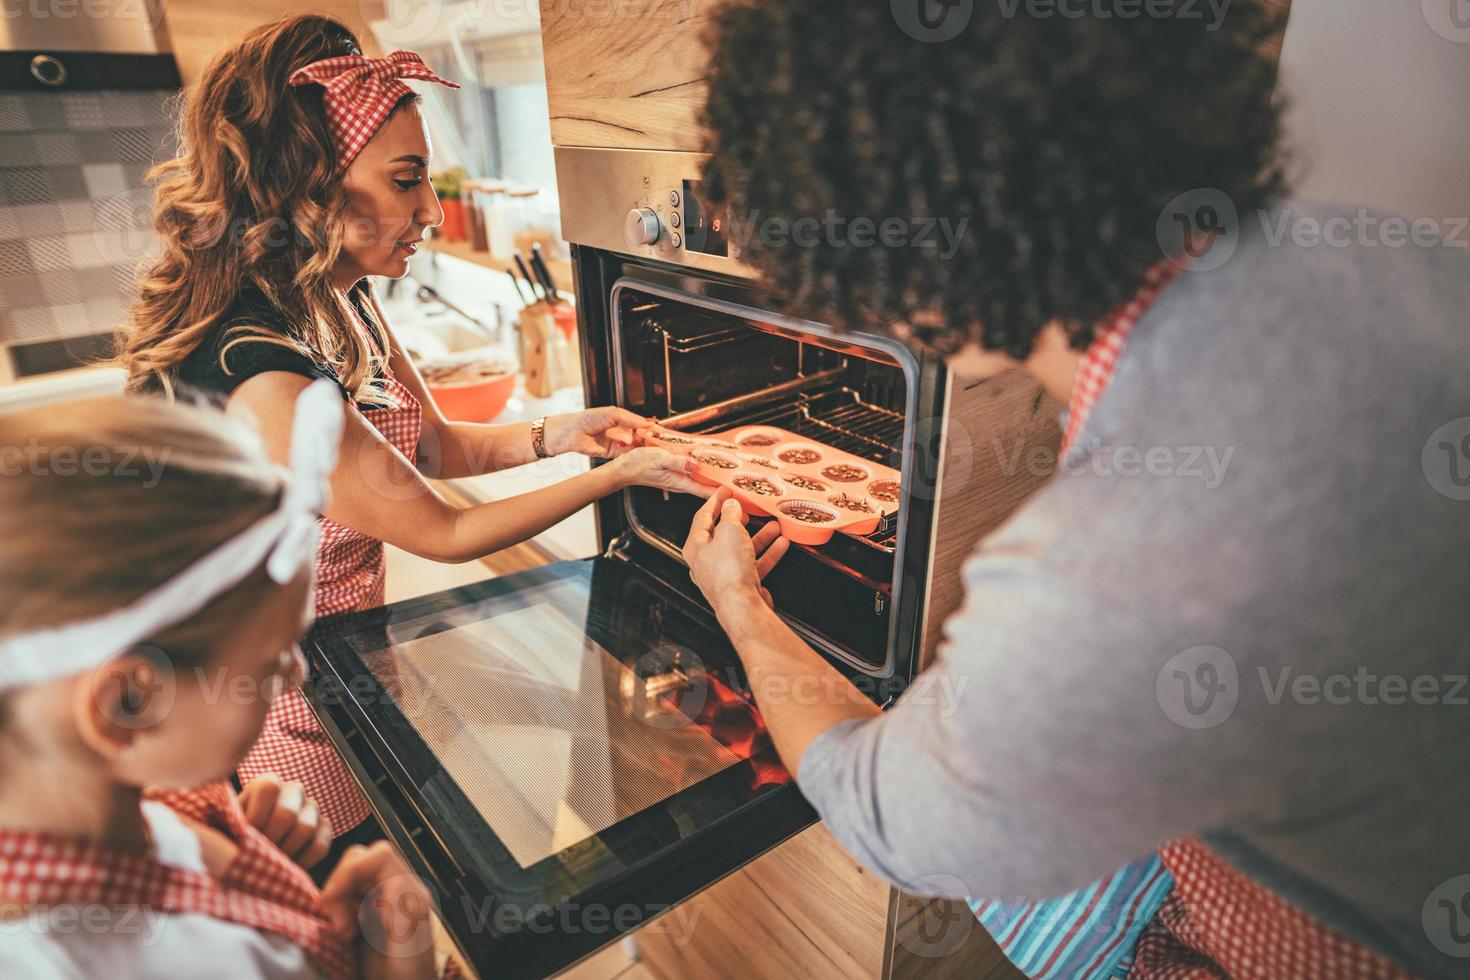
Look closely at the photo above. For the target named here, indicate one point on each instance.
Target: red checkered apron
(1217, 923)
(1108, 339)
(261, 888)
(349, 578)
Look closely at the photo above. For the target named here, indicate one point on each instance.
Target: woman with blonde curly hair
(303, 171)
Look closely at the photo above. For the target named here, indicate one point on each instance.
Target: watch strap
(538, 438)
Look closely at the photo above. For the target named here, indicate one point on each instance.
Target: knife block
(536, 347)
(549, 360)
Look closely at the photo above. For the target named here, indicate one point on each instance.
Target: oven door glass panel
(551, 737)
(576, 736)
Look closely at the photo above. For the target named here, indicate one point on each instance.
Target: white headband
(285, 540)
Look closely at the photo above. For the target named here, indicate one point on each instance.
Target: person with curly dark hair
(1055, 143)
(1198, 641)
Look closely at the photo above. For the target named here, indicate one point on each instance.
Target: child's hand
(604, 433)
(657, 468)
(372, 896)
(286, 815)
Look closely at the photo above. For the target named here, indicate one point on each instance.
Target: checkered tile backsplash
(75, 216)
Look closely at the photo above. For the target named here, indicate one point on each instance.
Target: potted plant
(448, 184)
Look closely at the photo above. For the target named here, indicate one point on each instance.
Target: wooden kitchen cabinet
(626, 75)
(200, 29)
(1002, 445)
(633, 75)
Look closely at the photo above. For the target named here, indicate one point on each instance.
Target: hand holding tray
(812, 489)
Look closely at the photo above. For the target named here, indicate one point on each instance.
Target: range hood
(96, 26)
(97, 44)
(84, 95)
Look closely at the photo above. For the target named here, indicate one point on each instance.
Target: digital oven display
(703, 232)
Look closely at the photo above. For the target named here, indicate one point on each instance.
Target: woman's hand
(657, 468)
(604, 433)
(724, 560)
(373, 898)
(290, 818)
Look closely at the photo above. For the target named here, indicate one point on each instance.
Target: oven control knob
(643, 227)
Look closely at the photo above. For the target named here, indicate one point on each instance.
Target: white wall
(1381, 103)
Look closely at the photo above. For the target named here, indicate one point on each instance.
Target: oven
(567, 753)
(703, 357)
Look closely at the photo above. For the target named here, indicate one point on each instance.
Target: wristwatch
(538, 438)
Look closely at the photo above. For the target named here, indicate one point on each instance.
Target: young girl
(304, 170)
(157, 568)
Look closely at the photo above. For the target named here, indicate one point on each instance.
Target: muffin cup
(846, 464)
(822, 454)
(821, 487)
(762, 464)
(799, 531)
(886, 506)
(752, 502)
(713, 475)
(675, 442)
(759, 433)
(861, 524)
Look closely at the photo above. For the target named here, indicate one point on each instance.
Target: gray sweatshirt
(1241, 611)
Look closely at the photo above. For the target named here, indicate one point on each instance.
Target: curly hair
(253, 200)
(1053, 143)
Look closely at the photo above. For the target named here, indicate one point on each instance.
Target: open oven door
(563, 754)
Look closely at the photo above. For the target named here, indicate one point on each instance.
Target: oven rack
(841, 419)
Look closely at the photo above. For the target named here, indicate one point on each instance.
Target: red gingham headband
(359, 93)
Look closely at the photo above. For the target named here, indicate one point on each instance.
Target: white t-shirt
(127, 943)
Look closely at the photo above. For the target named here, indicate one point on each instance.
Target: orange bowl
(479, 401)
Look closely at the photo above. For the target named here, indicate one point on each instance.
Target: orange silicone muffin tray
(813, 490)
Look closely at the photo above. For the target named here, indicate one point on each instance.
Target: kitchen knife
(520, 290)
(521, 264)
(538, 262)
